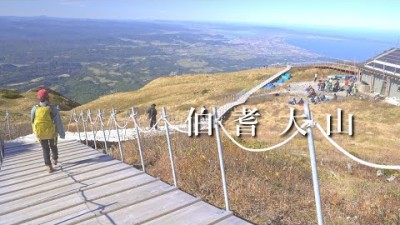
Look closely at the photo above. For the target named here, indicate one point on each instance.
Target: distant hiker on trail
(349, 90)
(204, 112)
(47, 125)
(336, 86)
(315, 77)
(323, 86)
(152, 111)
(329, 85)
(311, 92)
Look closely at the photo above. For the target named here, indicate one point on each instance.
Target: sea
(358, 46)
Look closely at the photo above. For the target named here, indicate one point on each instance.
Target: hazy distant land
(84, 59)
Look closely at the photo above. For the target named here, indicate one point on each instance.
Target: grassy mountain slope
(179, 93)
(20, 104)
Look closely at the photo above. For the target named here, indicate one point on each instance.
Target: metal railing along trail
(1, 149)
(136, 132)
(6, 125)
(6, 122)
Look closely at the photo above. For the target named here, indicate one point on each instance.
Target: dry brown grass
(350, 195)
(301, 74)
(179, 93)
(275, 187)
(16, 130)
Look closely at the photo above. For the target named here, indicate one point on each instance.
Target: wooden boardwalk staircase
(88, 187)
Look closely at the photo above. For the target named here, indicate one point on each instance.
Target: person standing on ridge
(315, 77)
(152, 111)
(47, 125)
(204, 112)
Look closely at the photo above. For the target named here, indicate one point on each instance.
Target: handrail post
(126, 124)
(171, 156)
(8, 124)
(77, 127)
(1, 151)
(221, 159)
(102, 129)
(70, 120)
(92, 127)
(310, 139)
(114, 116)
(84, 127)
(138, 139)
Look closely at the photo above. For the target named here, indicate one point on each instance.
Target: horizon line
(260, 24)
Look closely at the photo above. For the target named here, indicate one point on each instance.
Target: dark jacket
(152, 111)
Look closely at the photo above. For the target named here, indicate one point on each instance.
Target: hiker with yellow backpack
(47, 125)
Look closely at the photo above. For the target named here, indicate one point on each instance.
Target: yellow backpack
(43, 126)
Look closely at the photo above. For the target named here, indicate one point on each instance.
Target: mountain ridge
(20, 103)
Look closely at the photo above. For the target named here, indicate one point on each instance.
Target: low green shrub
(10, 94)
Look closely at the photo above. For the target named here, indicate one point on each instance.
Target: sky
(371, 14)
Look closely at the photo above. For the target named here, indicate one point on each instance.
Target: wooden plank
(23, 193)
(74, 167)
(145, 210)
(152, 208)
(39, 163)
(15, 144)
(18, 150)
(104, 205)
(22, 153)
(32, 160)
(85, 159)
(45, 184)
(198, 213)
(13, 147)
(89, 187)
(39, 155)
(65, 202)
(66, 187)
(61, 151)
(33, 149)
(27, 161)
(38, 152)
(60, 173)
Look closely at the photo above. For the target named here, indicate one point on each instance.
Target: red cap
(43, 94)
